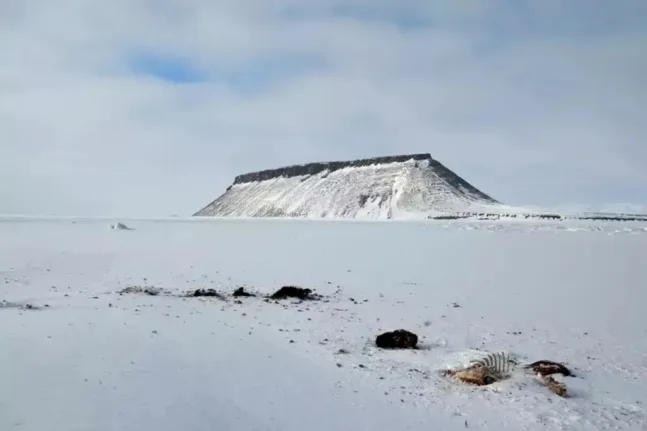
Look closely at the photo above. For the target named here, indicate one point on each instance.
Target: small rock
(398, 339)
(241, 292)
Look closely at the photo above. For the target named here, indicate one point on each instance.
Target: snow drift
(408, 186)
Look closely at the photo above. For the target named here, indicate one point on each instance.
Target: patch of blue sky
(166, 67)
(256, 75)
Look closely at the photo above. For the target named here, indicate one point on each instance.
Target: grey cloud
(542, 115)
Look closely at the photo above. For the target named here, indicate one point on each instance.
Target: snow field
(98, 360)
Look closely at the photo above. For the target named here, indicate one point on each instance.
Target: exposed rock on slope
(406, 186)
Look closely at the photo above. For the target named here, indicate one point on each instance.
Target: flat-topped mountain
(407, 186)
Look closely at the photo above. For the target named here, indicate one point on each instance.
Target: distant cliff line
(410, 186)
(316, 168)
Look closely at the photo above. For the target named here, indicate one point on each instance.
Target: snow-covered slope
(86, 358)
(410, 186)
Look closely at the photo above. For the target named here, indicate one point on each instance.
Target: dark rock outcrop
(398, 339)
(457, 182)
(539, 216)
(316, 168)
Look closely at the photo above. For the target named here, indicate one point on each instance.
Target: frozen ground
(95, 360)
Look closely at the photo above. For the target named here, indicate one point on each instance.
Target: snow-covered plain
(97, 360)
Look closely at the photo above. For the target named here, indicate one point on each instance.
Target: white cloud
(533, 106)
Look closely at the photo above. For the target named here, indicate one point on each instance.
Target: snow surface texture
(119, 226)
(413, 186)
(86, 358)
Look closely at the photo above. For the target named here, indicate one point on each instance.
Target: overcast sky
(151, 107)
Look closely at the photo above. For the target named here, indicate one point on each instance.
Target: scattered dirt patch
(398, 339)
(6, 304)
(241, 292)
(148, 290)
(294, 292)
(207, 293)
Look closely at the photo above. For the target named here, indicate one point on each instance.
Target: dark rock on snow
(398, 339)
(206, 292)
(241, 292)
(292, 292)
